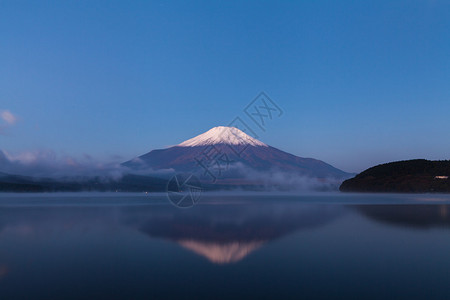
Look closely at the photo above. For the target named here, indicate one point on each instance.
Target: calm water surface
(333, 246)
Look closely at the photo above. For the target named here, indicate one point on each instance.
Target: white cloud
(8, 117)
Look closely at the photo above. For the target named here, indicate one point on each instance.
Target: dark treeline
(413, 176)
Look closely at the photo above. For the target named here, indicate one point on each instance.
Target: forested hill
(411, 176)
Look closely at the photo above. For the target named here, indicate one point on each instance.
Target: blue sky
(360, 82)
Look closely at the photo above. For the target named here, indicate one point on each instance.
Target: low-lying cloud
(282, 180)
(273, 179)
(46, 163)
(49, 164)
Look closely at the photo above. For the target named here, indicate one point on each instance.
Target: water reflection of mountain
(221, 230)
(228, 233)
(417, 216)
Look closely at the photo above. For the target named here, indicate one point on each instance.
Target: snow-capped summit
(222, 135)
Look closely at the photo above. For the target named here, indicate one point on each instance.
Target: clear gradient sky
(360, 82)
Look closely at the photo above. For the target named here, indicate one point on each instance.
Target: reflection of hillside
(419, 216)
(228, 233)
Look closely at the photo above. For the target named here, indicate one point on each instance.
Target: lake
(228, 246)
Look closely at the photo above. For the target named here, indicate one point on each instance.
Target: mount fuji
(227, 155)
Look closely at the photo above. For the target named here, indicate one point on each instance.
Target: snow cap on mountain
(222, 135)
